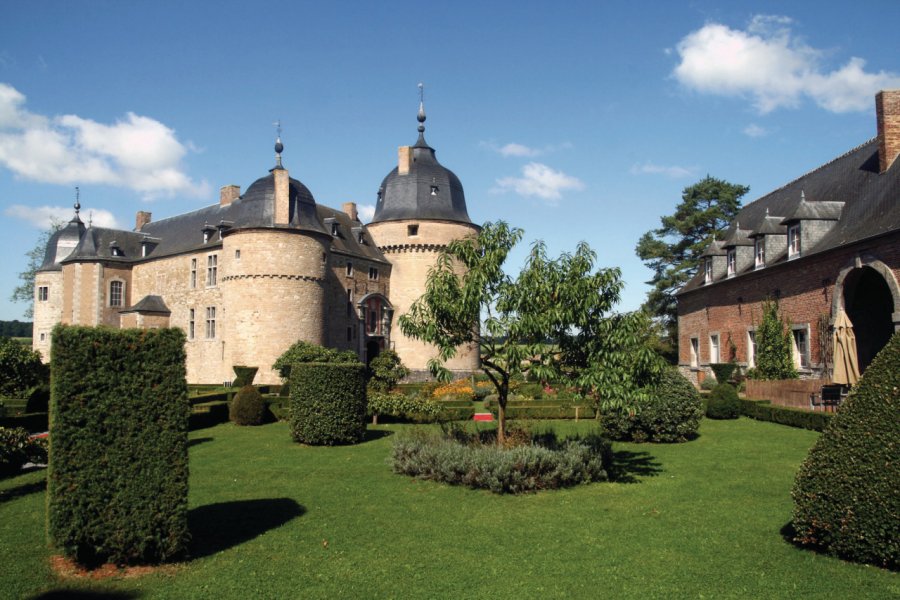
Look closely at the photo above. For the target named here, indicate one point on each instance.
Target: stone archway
(869, 294)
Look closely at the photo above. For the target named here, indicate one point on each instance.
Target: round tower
(273, 284)
(421, 207)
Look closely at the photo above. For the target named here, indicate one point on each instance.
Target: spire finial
(421, 115)
(90, 219)
(77, 201)
(802, 196)
(279, 147)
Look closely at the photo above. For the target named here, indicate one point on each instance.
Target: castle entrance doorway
(373, 349)
(870, 306)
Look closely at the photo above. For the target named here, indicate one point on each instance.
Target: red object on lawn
(483, 417)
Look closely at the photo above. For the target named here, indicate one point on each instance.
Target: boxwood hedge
(118, 474)
(328, 403)
(846, 495)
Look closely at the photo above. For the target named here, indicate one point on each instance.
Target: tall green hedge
(118, 476)
(328, 403)
(847, 492)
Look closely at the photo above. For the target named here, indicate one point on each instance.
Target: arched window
(116, 293)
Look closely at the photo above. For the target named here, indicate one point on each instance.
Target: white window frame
(112, 295)
(212, 270)
(759, 251)
(715, 348)
(707, 271)
(695, 352)
(210, 322)
(751, 348)
(731, 261)
(193, 273)
(191, 323)
(43, 293)
(794, 247)
(801, 355)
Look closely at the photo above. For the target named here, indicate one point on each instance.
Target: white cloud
(137, 152)
(672, 171)
(541, 181)
(515, 149)
(366, 212)
(43, 216)
(769, 64)
(753, 130)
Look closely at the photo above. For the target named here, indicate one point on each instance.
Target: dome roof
(256, 206)
(427, 191)
(61, 244)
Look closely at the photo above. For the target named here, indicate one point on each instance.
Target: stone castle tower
(421, 207)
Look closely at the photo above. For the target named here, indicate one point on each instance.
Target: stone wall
(47, 313)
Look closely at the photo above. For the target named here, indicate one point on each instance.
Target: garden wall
(786, 392)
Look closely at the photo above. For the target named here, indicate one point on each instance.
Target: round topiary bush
(723, 402)
(846, 499)
(247, 407)
(670, 413)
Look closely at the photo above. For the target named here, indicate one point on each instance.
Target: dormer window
(732, 262)
(208, 230)
(760, 251)
(335, 229)
(434, 190)
(349, 269)
(707, 271)
(794, 241)
(114, 249)
(333, 226)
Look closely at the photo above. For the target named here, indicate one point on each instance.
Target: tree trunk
(374, 418)
(501, 411)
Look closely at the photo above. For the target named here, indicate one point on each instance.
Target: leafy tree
(24, 292)
(385, 371)
(304, 352)
(20, 368)
(673, 250)
(563, 299)
(774, 347)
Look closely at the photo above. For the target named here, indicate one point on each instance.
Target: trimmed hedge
(208, 414)
(248, 407)
(846, 497)
(32, 422)
(243, 376)
(328, 403)
(723, 371)
(762, 410)
(670, 413)
(723, 402)
(117, 486)
(17, 447)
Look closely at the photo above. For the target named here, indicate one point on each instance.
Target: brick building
(260, 270)
(828, 240)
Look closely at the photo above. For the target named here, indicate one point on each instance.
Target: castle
(827, 242)
(251, 275)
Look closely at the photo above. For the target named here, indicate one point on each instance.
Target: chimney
(142, 218)
(282, 196)
(350, 209)
(887, 113)
(404, 159)
(228, 194)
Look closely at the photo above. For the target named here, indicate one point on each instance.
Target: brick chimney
(887, 113)
(282, 196)
(228, 194)
(404, 159)
(142, 218)
(350, 209)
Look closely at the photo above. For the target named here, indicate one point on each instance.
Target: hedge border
(763, 410)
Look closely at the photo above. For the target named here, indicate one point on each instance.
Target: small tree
(20, 368)
(24, 292)
(385, 371)
(774, 354)
(563, 299)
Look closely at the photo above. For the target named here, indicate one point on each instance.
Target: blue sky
(575, 121)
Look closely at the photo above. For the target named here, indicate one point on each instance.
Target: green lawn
(698, 520)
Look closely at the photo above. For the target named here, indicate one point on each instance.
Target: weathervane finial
(421, 115)
(279, 147)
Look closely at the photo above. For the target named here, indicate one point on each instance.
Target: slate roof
(865, 202)
(150, 304)
(184, 233)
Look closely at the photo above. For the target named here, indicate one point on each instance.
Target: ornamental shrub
(305, 352)
(117, 485)
(546, 463)
(20, 368)
(385, 371)
(17, 447)
(248, 407)
(846, 498)
(669, 411)
(401, 406)
(328, 403)
(243, 376)
(723, 402)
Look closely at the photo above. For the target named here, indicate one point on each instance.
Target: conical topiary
(847, 492)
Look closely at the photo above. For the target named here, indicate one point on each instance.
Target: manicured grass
(272, 519)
